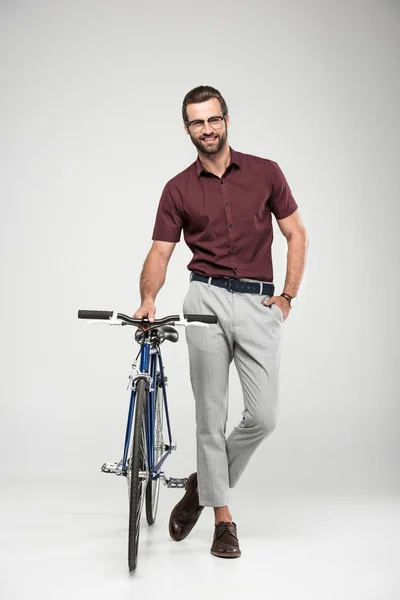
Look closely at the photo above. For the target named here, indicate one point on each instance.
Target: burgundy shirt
(226, 221)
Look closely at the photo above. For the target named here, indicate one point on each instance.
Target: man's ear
(185, 127)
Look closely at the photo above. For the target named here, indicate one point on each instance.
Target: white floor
(59, 542)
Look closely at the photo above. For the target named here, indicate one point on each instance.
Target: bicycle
(145, 450)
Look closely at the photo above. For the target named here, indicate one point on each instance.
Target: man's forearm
(296, 262)
(152, 277)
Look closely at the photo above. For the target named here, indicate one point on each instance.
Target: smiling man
(224, 204)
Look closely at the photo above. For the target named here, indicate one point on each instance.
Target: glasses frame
(222, 117)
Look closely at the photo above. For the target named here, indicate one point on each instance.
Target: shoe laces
(223, 527)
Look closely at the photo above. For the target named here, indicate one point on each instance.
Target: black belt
(235, 285)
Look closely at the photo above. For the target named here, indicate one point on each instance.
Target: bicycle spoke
(153, 489)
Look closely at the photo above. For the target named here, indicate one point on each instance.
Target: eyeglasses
(215, 122)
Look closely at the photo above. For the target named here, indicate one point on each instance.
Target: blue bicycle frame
(150, 364)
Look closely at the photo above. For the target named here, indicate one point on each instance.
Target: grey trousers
(248, 333)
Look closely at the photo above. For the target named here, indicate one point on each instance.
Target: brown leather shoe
(226, 543)
(185, 514)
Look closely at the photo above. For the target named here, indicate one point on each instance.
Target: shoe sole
(226, 554)
(173, 512)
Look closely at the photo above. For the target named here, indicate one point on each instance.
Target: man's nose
(207, 128)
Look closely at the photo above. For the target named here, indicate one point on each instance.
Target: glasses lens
(196, 125)
(216, 122)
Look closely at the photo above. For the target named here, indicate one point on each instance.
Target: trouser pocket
(277, 312)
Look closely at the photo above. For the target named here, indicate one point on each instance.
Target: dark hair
(202, 93)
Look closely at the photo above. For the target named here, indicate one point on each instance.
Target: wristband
(288, 298)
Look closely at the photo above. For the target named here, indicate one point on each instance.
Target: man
(223, 203)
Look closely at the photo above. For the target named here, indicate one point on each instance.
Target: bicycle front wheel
(138, 473)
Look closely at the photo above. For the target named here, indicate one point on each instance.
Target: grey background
(90, 131)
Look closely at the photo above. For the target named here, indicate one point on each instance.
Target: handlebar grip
(95, 314)
(201, 318)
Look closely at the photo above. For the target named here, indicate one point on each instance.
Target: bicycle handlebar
(95, 314)
(111, 315)
(202, 318)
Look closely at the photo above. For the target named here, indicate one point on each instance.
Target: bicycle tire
(153, 485)
(137, 463)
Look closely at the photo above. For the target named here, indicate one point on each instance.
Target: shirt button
(230, 225)
(222, 183)
(233, 249)
(226, 203)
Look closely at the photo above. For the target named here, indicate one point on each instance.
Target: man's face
(209, 139)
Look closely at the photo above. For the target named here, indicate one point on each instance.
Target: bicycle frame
(152, 369)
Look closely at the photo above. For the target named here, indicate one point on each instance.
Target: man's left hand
(281, 302)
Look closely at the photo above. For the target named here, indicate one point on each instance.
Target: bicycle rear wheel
(138, 473)
(153, 485)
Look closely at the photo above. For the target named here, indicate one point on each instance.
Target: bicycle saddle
(165, 332)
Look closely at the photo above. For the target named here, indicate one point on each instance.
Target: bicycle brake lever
(190, 323)
(112, 321)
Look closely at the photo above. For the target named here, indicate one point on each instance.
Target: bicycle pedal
(176, 482)
(113, 467)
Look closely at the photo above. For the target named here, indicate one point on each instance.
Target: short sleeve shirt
(227, 221)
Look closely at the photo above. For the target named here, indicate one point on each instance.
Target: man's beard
(215, 148)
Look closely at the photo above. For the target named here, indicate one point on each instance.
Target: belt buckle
(229, 285)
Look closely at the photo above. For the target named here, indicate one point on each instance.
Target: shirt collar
(235, 160)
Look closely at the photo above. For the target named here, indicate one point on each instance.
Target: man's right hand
(147, 309)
